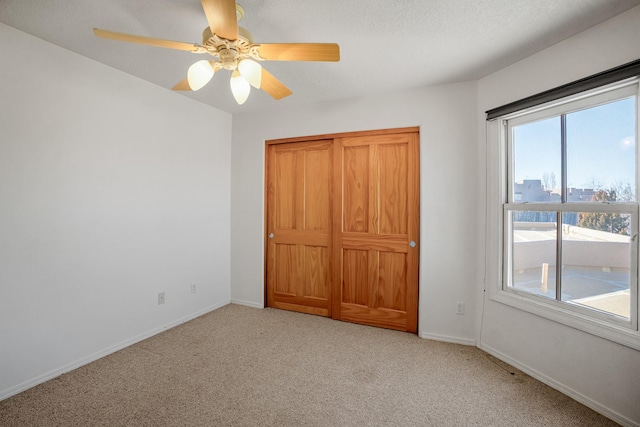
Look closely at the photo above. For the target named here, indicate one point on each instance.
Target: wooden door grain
(343, 226)
(298, 221)
(377, 266)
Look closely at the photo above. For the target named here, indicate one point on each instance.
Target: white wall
(446, 116)
(111, 190)
(600, 373)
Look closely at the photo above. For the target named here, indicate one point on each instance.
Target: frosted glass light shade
(251, 71)
(239, 87)
(199, 74)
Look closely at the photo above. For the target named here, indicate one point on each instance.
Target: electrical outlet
(193, 288)
(160, 298)
(460, 307)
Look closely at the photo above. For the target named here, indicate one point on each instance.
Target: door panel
(317, 190)
(285, 179)
(316, 272)
(298, 212)
(355, 281)
(394, 182)
(393, 274)
(356, 183)
(286, 265)
(378, 268)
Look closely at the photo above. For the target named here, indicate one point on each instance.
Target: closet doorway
(342, 223)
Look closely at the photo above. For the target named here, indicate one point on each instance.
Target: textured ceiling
(385, 45)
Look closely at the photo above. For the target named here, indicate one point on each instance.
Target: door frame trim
(412, 129)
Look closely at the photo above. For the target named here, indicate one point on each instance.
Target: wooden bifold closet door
(342, 226)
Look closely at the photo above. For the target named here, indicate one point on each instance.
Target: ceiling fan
(233, 49)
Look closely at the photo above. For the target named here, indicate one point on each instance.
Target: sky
(601, 147)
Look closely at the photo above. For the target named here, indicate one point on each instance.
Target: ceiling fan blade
(183, 85)
(221, 16)
(299, 51)
(169, 44)
(273, 86)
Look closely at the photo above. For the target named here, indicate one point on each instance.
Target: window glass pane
(536, 161)
(534, 252)
(576, 261)
(595, 263)
(601, 153)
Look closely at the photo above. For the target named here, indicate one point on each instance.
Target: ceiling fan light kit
(233, 49)
(239, 87)
(251, 71)
(199, 74)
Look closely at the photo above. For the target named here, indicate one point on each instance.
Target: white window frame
(499, 169)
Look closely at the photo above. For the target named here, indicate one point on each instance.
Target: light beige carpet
(240, 366)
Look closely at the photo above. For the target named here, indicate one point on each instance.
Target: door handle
(412, 244)
(271, 236)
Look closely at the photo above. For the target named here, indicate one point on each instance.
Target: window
(568, 210)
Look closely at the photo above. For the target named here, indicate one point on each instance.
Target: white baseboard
(247, 303)
(446, 338)
(11, 391)
(596, 406)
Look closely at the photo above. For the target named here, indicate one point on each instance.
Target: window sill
(548, 310)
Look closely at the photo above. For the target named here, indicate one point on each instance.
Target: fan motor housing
(206, 35)
(228, 58)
